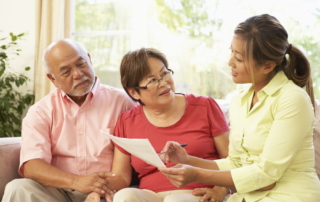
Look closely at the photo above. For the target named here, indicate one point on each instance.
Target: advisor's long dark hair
(265, 39)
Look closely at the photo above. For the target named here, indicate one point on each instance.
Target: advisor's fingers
(199, 192)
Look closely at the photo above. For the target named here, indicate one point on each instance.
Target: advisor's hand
(180, 175)
(177, 155)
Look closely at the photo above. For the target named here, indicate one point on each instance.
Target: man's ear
(269, 66)
(89, 56)
(52, 79)
(133, 93)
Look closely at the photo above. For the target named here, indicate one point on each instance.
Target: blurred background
(195, 35)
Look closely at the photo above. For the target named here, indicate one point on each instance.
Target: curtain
(53, 22)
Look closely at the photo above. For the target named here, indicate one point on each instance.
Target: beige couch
(9, 161)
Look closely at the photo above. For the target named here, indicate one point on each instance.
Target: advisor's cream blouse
(272, 142)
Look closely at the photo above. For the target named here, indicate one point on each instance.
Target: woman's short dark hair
(135, 67)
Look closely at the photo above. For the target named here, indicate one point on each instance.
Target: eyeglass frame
(146, 86)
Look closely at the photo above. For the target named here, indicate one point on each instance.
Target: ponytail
(299, 71)
(267, 40)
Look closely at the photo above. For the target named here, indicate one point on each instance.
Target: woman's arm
(181, 175)
(221, 143)
(122, 169)
(179, 155)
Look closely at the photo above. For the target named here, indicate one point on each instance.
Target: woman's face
(258, 75)
(240, 74)
(160, 92)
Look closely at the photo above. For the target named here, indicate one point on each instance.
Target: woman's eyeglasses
(153, 83)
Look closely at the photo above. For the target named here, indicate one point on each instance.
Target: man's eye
(66, 73)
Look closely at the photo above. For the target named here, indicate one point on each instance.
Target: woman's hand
(180, 175)
(267, 188)
(177, 155)
(215, 194)
(95, 197)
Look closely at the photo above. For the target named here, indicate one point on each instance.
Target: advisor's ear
(269, 66)
(133, 93)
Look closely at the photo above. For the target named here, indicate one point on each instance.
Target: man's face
(71, 70)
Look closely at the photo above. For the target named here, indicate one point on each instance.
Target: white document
(140, 148)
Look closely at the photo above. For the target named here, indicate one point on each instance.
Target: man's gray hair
(66, 40)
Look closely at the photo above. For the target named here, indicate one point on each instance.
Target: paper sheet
(140, 148)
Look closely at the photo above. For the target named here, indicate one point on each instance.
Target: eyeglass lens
(156, 82)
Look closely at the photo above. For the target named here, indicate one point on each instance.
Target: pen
(182, 145)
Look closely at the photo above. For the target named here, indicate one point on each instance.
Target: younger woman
(271, 153)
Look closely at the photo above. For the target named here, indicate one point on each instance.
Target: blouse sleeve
(232, 161)
(120, 132)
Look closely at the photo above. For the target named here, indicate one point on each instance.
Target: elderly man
(64, 156)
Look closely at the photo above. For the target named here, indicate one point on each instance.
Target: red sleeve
(120, 132)
(217, 120)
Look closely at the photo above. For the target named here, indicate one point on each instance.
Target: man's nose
(77, 73)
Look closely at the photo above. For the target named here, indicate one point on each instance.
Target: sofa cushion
(316, 137)
(9, 161)
(224, 105)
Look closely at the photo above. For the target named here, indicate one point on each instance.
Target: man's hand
(95, 182)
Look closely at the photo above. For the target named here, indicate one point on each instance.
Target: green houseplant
(12, 101)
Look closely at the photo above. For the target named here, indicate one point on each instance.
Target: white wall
(18, 16)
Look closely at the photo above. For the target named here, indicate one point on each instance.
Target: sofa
(9, 161)
(10, 152)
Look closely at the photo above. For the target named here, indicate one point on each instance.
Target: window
(195, 36)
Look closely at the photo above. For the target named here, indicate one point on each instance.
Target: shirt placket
(81, 141)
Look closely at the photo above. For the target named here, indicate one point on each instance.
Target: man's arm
(48, 175)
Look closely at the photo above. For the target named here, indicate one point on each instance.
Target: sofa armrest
(9, 161)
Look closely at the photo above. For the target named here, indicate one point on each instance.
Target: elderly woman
(164, 115)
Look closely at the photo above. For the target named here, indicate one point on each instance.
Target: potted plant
(12, 101)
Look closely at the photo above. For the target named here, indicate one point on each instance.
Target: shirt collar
(95, 90)
(276, 83)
